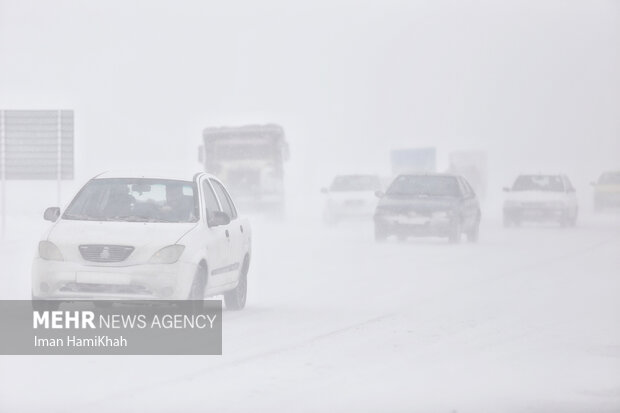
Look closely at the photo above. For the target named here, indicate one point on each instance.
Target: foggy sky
(536, 84)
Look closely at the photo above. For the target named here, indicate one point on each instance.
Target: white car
(541, 198)
(351, 197)
(131, 237)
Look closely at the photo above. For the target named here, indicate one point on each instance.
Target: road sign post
(35, 145)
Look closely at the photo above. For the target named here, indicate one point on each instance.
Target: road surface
(528, 319)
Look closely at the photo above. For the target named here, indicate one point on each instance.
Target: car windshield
(550, 183)
(424, 185)
(355, 183)
(135, 200)
(610, 178)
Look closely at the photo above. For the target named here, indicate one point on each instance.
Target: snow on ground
(526, 320)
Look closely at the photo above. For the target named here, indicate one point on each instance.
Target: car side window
(463, 186)
(468, 187)
(227, 205)
(211, 204)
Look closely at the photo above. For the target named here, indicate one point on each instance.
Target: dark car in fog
(439, 205)
(607, 191)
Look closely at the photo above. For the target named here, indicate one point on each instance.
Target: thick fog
(533, 85)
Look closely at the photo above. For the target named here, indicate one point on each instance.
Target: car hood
(536, 196)
(145, 237)
(420, 205)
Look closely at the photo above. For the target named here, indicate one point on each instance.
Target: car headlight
(49, 251)
(167, 255)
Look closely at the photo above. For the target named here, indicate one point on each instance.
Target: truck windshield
(355, 183)
(550, 183)
(135, 200)
(243, 151)
(424, 185)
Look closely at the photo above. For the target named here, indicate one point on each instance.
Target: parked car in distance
(607, 191)
(132, 237)
(540, 198)
(440, 205)
(350, 197)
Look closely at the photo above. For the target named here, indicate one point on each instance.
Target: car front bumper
(607, 199)
(538, 213)
(413, 226)
(65, 280)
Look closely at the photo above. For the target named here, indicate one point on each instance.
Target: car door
(234, 232)
(218, 245)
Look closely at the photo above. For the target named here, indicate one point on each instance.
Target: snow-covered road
(526, 320)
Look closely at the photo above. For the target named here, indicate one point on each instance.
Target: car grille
(105, 289)
(105, 253)
(533, 205)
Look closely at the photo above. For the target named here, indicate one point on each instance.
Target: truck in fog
(416, 160)
(473, 166)
(250, 161)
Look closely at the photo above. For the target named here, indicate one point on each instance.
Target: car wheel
(235, 299)
(573, 220)
(197, 290)
(565, 219)
(455, 232)
(380, 234)
(472, 234)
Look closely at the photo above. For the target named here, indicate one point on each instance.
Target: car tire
(454, 235)
(472, 234)
(380, 234)
(235, 299)
(199, 284)
(565, 220)
(573, 221)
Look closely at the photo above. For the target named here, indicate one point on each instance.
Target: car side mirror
(51, 214)
(506, 189)
(379, 194)
(324, 190)
(219, 218)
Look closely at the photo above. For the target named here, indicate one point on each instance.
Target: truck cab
(250, 161)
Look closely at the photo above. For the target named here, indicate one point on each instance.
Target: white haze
(535, 84)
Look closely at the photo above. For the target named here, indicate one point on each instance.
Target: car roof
(541, 174)
(157, 174)
(356, 175)
(430, 174)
